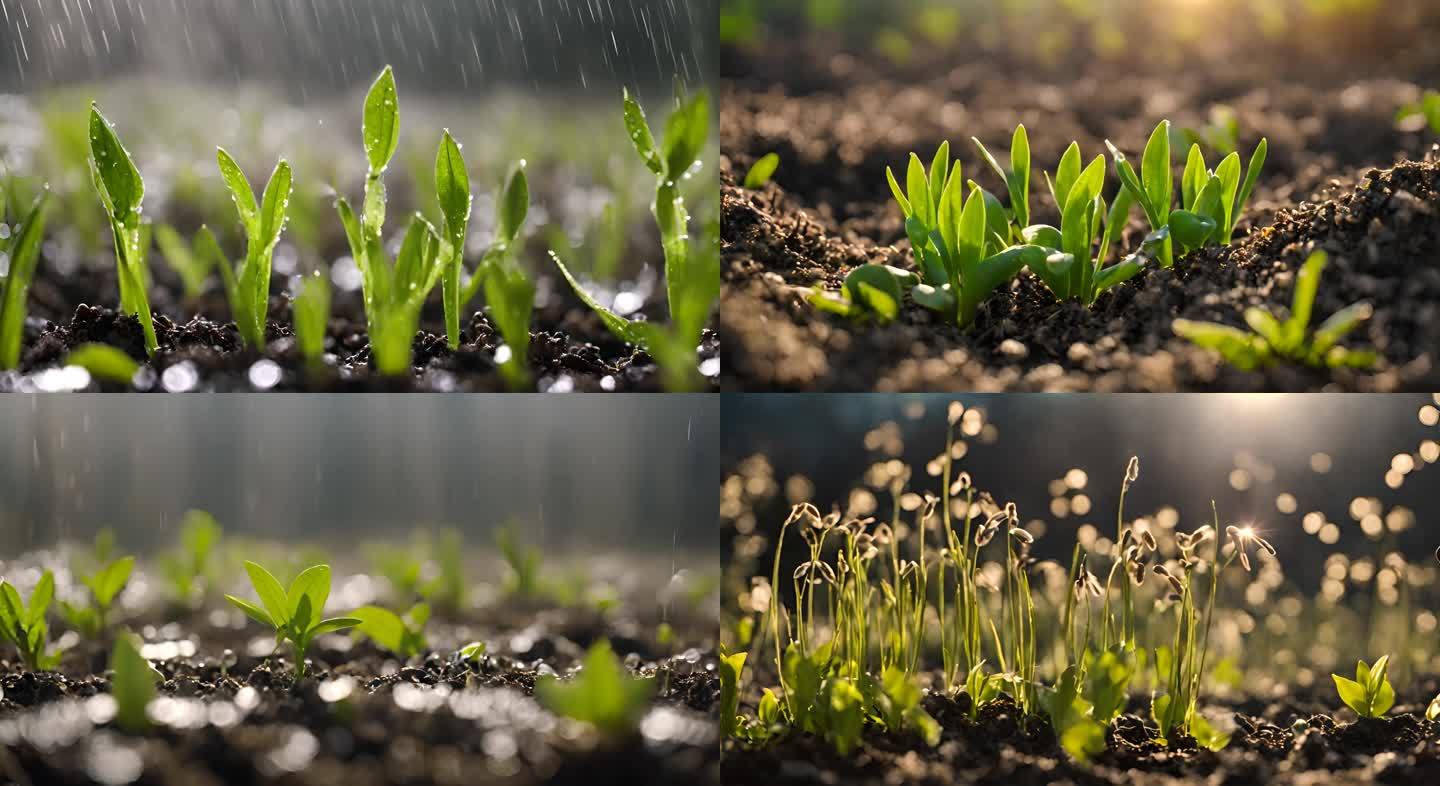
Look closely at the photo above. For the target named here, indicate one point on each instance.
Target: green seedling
(1432, 712)
(121, 191)
(473, 651)
(761, 171)
(296, 615)
(132, 684)
(870, 290)
(1017, 177)
(895, 702)
(1155, 194)
(523, 561)
(24, 625)
(311, 311)
(961, 245)
(104, 362)
(1081, 733)
(1221, 133)
(188, 260)
(1370, 694)
(248, 285)
(1427, 110)
(1073, 266)
(22, 249)
(105, 584)
(404, 636)
(509, 290)
(732, 666)
(604, 694)
(188, 568)
(692, 269)
(393, 295)
(1271, 341)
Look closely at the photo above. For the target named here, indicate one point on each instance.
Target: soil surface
(1341, 176)
(572, 351)
(230, 712)
(1296, 740)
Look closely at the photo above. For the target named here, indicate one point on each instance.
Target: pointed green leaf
(270, 592)
(1159, 179)
(252, 611)
(639, 131)
(381, 124)
(121, 185)
(312, 583)
(240, 191)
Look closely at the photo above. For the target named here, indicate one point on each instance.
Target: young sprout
(473, 651)
(22, 249)
(104, 362)
(524, 563)
(104, 586)
(392, 295)
(24, 625)
(296, 615)
(248, 287)
(1422, 113)
(188, 568)
(404, 636)
(692, 269)
(1073, 266)
(1370, 694)
(961, 244)
(761, 171)
(1017, 177)
(1272, 341)
(132, 684)
(604, 694)
(732, 665)
(311, 310)
(121, 191)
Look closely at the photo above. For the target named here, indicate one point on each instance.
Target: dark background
(1187, 446)
(625, 473)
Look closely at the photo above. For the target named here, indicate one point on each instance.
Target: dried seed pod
(1202, 535)
(883, 534)
(1265, 544)
(1148, 540)
(1022, 535)
(1132, 470)
(796, 511)
(962, 483)
(984, 535)
(1012, 513)
(828, 522)
(1137, 573)
(1245, 560)
(815, 572)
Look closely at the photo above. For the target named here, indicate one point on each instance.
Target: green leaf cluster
(104, 585)
(22, 248)
(604, 694)
(1271, 340)
(402, 635)
(295, 615)
(247, 286)
(692, 269)
(24, 626)
(1370, 694)
(122, 191)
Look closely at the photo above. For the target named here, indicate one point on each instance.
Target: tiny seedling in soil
(122, 191)
(24, 625)
(247, 286)
(402, 635)
(132, 684)
(604, 694)
(732, 665)
(1423, 113)
(1271, 341)
(523, 561)
(311, 310)
(104, 585)
(21, 249)
(761, 171)
(692, 270)
(187, 259)
(1370, 694)
(296, 615)
(187, 569)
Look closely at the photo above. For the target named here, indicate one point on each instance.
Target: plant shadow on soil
(1266, 747)
(361, 716)
(1340, 177)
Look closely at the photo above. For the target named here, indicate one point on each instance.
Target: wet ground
(1341, 176)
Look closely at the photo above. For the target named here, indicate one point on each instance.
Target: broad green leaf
(1042, 235)
(1382, 699)
(1229, 174)
(1377, 674)
(1189, 229)
(270, 592)
(1019, 180)
(1193, 179)
(110, 580)
(121, 184)
(1206, 734)
(382, 625)
(333, 624)
(252, 611)
(452, 186)
(764, 168)
(932, 298)
(240, 192)
(514, 204)
(685, 133)
(1159, 179)
(40, 598)
(1352, 693)
(381, 125)
(970, 239)
(603, 694)
(639, 131)
(1066, 175)
(919, 190)
(276, 202)
(312, 583)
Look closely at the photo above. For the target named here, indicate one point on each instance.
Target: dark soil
(361, 716)
(1293, 741)
(1340, 177)
(575, 352)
